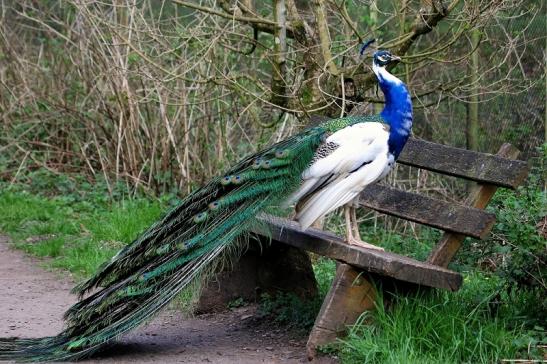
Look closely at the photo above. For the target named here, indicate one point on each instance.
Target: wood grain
(349, 296)
(479, 167)
(375, 261)
(425, 210)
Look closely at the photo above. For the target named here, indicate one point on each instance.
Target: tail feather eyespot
(236, 179)
(266, 164)
(161, 250)
(280, 154)
(200, 217)
(214, 205)
(257, 163)
(226, 180)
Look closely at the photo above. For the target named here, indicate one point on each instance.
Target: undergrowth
(289, 310)
(516, 250)
(446, 327)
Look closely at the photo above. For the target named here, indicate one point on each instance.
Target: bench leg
(349, 296)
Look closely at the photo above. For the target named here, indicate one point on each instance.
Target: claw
(361, 243)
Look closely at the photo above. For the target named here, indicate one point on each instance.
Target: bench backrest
(457, 220)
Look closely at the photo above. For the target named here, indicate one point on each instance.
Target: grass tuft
(444, 327)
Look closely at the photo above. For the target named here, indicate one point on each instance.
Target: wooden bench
(360, 270)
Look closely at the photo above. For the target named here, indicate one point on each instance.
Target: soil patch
(32, 303)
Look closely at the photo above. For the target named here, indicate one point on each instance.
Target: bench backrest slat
(480, 167)
(429, 211)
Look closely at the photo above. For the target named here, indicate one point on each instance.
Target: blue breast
(397, 113)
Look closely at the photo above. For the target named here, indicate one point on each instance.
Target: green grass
(481, 323)
(76, 236)
(444, 327)
(415, 243)
(324, 270)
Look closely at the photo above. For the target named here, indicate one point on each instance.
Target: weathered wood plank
(349, 296)
(425, 210)
(479, 167)
(450, 243)
(384, 263)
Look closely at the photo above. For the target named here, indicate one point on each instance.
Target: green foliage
(417, 245)
(238, 302)
(70, 188)
(443, 327)
(324, 270)
(482, 323)
(516, 236)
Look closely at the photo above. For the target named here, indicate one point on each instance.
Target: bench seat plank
(425, 210)
(480, 167)
(374, 261)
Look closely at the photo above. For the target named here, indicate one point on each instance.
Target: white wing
(361, 157)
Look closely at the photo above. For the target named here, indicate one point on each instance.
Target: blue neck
(397, 112)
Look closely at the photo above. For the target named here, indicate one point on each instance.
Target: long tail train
(147, 274)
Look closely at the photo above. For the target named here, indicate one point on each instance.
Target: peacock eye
(200, 217)
(214, 205)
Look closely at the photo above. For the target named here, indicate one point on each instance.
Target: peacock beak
(395, 58)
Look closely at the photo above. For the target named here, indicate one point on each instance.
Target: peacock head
(384, 58)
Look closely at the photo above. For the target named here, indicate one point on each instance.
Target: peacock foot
(361, 243)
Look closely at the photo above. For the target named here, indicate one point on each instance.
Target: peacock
(320, 169)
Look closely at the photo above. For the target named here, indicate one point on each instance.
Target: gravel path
(32, 302)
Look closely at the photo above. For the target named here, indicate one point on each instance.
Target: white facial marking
(384, 75)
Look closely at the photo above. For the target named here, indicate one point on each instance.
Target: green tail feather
(147, 274)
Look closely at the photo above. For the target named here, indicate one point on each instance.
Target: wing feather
(361, 158)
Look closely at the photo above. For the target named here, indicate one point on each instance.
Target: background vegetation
(163, 94)
(110, 111)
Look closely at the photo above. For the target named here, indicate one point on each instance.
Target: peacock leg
(353, 237)
(349, 230)
(354, 223)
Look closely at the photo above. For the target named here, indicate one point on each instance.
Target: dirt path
(33, 300)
